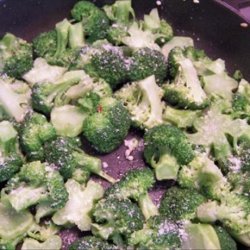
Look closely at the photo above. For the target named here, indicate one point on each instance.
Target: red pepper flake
(99, 109)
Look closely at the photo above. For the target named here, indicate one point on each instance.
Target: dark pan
(215, 29)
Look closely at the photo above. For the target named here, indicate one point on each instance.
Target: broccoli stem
(124, 11)
(93, 165)
(62, 29)
(76, 36)
(166, 168)
(102, 231)
(149, 209)
(60, 88)
(11, 102)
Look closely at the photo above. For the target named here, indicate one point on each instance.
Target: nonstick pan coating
(213, 28)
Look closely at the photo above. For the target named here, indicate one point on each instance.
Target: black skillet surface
(214, 28)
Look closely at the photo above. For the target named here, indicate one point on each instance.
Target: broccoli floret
(15, 56)
(138, 38)
(66, 154)
(226, 241)
(121, 12)
(166, 149)
(232, 212)
(88, 90)
(116, 219)
(14, 98)
(146, 62)
(49, 94)
(54, 242)
(240, 182)
(34, 131)
(135, 185)
(110, 65)
(60, 46)
(67, 120)
(213, 130)
(184, 90)
(116, 33)
(43, 72)
(180, 118)
(177, 41)
(159, 27)
(219, 86)
(158, 233)
(241, 103)
(143, 101)
(81, 201)
(205, 236)
(48, 186)
(107, 128)
(205, 66)
(91, 242)
(94, 20)
(202, 174)
(45, 44)
(11, 159)
(43, 231)
(14, 226)
(180, 204)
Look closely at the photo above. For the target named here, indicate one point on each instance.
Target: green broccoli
(95, 22)
(107, 128)
(240, 182)
(66, 154)
(180, 204)
(135, 185)
(88, 90)
(11, 159)
(14, 98)
(143, 101)
(76, 36)
(158, 233)
(180, 118)
(232, 212)
(43, 72)
(54, 242)
(146, 62)
(49, 94)
(166, 149)
(177, 41)
(137, 38)
(213, 130)
(15, 56)
(45, 44)
(116, 219)
(60, 46)
(34, 131)
(91, 242)
(67, 120)
(221, 86)
(14, 226)
(203, 175)
(80, 203)
(36, 182)
(43, 231)
(241, 103)
(226, 241)
(121, 12)
(110, 65)
(205, 236)
(116, 33)
(162, 30)
(184, 90)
